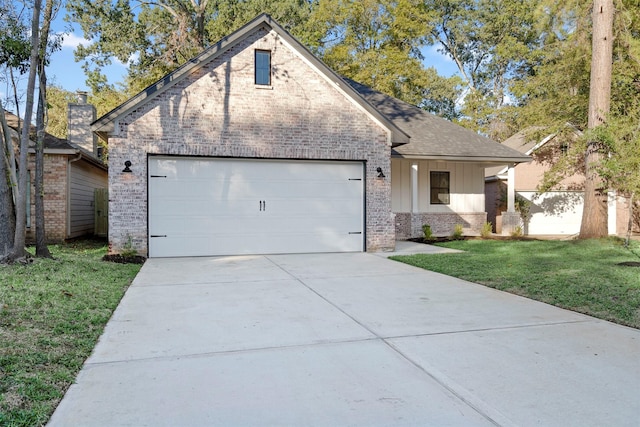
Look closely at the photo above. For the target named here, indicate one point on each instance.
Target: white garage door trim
(229, 206)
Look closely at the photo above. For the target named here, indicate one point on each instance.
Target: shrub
(127, 249)
(457, 232)
(487, 229)
(517, 232)
(428, 234)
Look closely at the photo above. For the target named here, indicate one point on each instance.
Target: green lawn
(52, 313)
(580, 275)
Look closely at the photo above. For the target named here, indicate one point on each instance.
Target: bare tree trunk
(19, 240)
(41, 241)
(13, 171)
(594, 215)
(627, 241)
(7, 213)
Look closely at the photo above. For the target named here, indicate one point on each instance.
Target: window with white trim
(263, 67)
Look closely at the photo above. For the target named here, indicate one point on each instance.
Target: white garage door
(201, 207)
(555, 212)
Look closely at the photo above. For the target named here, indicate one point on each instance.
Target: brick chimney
(80, 115)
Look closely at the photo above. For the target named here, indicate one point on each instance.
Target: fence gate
(101, 196)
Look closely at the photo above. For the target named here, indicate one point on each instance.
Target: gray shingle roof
(50, 141)
(519, 142)
(434, 137)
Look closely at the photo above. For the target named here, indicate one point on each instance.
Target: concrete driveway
(346, 339)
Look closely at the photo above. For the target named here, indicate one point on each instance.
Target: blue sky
(65, 72)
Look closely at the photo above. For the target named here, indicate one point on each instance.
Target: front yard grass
(52, 313)
(579, 275)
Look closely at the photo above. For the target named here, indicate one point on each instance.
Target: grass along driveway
(52, 313)
(579, 275)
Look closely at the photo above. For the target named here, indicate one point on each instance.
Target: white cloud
(434, 52)
(132, 59)
(72, 41)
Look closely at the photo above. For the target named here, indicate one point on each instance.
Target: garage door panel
(325, 189)
(316, 206)
(315, 224)
(236, 206)
(554, 212)
(277, 208)
(191, 207)
(233, 244)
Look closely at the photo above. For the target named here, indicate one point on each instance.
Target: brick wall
(529, 175)
(55, 201)
(79, 119)
(218, 111)
(408, 225)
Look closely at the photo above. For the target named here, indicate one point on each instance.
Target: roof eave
(73, 152)
(476, 159)
(32, 150)
(106, 124)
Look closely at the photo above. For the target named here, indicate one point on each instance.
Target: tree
(41, 245)
(57, 100)
(493, 43)
(164, 34)
(7, 205)
(556, 96)
(594, 214)
(19, 240)
(14, 54)
(621, 169)
(377, 43)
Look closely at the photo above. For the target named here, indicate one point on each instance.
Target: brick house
(72, 171)
(256, 146)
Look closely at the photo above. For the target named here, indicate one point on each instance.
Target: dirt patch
(629, 264)
(121, 259)
(443, 239)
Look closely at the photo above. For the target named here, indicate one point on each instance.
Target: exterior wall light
(380, 174)
(127, 167)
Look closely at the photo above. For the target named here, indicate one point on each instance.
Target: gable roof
(107, 123)
(433, 137)
(521, 142)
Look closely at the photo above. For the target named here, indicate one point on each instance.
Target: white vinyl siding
(84, 179)
(466, 186)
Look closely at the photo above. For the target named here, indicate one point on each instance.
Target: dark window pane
(439, 188)
(263, 67)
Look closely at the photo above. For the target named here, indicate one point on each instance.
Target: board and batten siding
(84, 178)
(466, 186)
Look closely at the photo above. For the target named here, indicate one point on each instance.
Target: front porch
(442, 194)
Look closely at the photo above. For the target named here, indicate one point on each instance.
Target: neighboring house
(72, 172)
(256, 146)
(555, 212)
